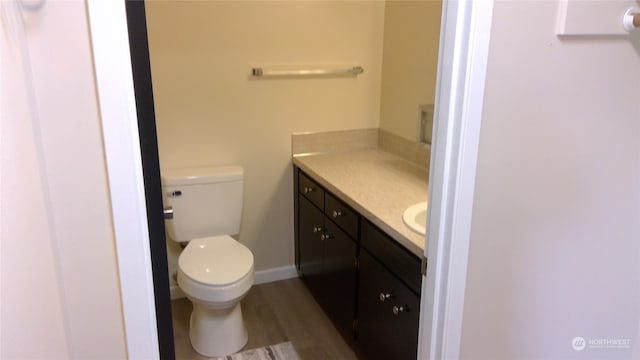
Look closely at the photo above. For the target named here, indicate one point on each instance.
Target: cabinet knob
(399, 309)
(307, 190)
(326, 236)
(384, 296)
(317, 229)
(337, 213)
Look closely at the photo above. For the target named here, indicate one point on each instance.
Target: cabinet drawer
(402, 263)
(311, 190)
(342, 215)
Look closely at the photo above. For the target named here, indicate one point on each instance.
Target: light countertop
(378, 185)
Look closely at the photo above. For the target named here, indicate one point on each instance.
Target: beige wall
(60, 293)
(209, 111)
(554, 248)
(409, 66)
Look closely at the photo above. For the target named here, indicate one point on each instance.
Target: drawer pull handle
(308, 190)
(384, 296)
(326, 236)
(317, 229)
(337, 213)
(399, 309)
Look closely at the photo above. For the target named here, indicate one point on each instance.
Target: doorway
(157, 212)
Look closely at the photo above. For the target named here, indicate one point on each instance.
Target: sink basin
(415, 217)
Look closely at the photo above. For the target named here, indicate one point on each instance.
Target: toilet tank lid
(202, 175)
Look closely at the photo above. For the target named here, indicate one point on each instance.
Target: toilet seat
(216, 269)
(216, 260)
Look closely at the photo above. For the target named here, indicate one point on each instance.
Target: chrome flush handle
(168, 212)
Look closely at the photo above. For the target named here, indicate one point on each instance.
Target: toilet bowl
(215, 273)
(214, 270)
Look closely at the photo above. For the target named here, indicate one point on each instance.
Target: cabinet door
(311, 222)
(394, 257)
(339, 276)
(388, 313)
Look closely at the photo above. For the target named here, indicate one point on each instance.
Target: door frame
(463, 54)
(131, 154)
(462, 68)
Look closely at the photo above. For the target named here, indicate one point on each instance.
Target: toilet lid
(215, 260)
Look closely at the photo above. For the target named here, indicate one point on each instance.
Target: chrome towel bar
(260, 72)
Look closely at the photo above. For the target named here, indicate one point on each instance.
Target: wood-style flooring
(273, 313)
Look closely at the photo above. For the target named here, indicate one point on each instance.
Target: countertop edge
(368, 215)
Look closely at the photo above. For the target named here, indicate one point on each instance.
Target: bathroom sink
(415, 217)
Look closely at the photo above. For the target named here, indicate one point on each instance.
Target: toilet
(214, 270)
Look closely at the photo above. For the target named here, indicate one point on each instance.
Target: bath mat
(282, 351)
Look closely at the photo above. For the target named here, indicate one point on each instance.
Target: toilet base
(217, 332)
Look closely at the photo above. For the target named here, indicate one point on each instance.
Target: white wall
(555, 249)
(60, 294)
(209, 110)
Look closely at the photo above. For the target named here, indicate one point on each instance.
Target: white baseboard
(275, 274)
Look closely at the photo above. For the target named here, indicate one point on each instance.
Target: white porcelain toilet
(214, 270)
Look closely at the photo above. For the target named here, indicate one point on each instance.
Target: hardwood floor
(274, 312)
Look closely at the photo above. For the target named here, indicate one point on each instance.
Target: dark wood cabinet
(326, 257)
(310, 245)
(339, 295)
(388, 309)
(357, 274)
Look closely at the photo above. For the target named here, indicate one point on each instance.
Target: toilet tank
(206, 201)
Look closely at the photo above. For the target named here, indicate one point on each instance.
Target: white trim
(275, 274)
(116, 97)
(464, 50)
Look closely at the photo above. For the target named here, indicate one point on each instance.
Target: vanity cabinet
(327, 250)
(388, 298)
(366, 282)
